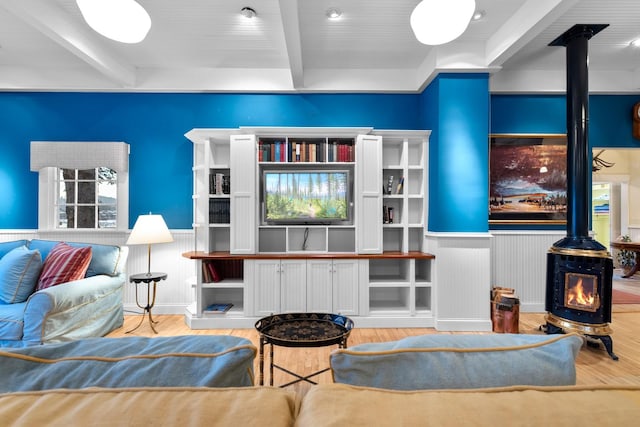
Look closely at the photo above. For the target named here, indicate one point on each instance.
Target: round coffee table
(301, 330)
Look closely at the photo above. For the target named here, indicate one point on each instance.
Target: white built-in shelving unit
(370, 268)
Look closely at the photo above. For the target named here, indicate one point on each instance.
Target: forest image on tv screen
(306, 196)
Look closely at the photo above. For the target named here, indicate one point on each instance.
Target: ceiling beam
(525, 24)
(53, 21)
(528, 22)
(291, 28)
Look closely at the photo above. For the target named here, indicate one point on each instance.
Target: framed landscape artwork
(527, 179)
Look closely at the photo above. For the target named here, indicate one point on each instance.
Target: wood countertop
(300, 255)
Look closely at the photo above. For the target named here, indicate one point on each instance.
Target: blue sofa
(89, 307)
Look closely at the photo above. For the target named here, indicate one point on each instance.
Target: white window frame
(47, 179)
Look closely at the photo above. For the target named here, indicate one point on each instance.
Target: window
(82, 185)
(87, 198)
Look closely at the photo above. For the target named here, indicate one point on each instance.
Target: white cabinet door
(369, 193)
(319, 286)
(345, 286)
(243, 194)
(279, 286)
(332, 286)
(293, 286)
(266, 287)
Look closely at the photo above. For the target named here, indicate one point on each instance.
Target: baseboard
(532, 308)
(464, 325)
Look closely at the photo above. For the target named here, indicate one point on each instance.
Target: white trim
(47, 218)
(457, 235)
(464, 325)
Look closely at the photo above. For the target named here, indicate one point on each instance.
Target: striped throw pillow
(64, 264)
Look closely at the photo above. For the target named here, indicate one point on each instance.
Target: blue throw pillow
(19, 272)
(439, 361)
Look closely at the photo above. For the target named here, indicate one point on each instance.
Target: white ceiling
(206, 46)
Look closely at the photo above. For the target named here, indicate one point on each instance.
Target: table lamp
(147, 230)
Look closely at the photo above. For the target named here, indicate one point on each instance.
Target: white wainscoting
(462, 280)
(519, 261)
(173, 294)
(466, 267)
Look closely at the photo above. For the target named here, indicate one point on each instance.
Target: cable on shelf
(306, 237)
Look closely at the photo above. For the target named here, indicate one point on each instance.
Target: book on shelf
(387, 214)
(211, 273)
(219, 211)
(400, 185)
(217, 270)
(389, 184)
(219, 183)
(316, 150)
(217, 308)
(312, 152)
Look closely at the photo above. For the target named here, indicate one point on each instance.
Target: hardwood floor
(594, 366)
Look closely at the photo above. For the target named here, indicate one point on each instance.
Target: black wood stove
(579, 269)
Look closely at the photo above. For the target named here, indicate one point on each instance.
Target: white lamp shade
(120, 20)
(149, 229)
(436, 22)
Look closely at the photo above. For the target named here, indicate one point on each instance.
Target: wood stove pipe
(576, 40)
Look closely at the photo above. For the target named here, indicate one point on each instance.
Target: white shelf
(404, 157)
(227, 283)
(388, 282)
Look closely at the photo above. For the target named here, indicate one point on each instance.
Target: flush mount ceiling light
(436, 22)
(333, 13)
(635, 43)
(124, 21)
(248, 13)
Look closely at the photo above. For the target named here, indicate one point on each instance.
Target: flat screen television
(306, 196)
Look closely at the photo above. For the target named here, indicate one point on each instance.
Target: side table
(632, 247)
(301, 330)
(147, 278)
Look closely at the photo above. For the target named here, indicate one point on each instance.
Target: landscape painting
(528, 179)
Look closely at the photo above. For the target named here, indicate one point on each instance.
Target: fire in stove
(578, 295)
(581, 292)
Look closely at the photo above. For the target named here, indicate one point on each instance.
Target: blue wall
(154, 125)
(456, 108)
(610, 118)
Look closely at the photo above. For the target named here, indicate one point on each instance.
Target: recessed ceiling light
(635, 43)
(333, 13)
(478, 15)
(248, 13)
